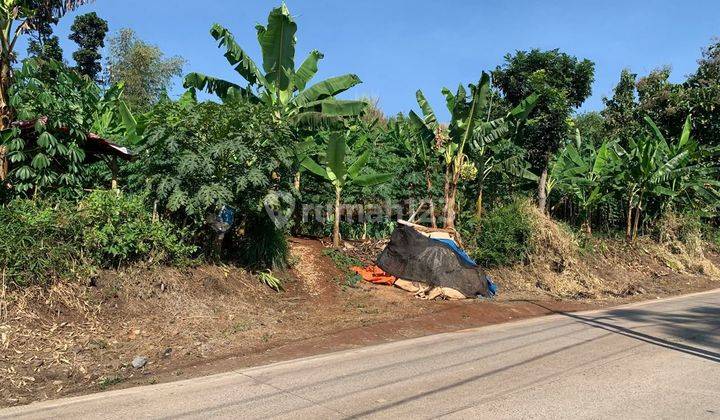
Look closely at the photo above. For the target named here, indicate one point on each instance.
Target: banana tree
(340, 175)
(466, 124)
(427, 134)
(15, 20)
(485, 144)
(586, 175)
(656, 168)
(279, 85)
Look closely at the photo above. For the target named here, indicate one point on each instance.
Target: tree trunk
(6, 111)
(446, 193)
(479, 203)
(433, 222)
(636, 223)
(587, 225)
(336, 226)
(114, 171)
(628, 227)
(542, 189)
(296, 181)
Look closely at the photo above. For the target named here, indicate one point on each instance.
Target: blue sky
(397, 47)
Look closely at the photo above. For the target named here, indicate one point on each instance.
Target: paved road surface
(660, 359)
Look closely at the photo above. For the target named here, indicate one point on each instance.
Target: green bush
(43, 242)
(120, 229)
(40, 243)
(263, 245)
(504, 236)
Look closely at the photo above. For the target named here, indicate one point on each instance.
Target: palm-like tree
(653, 167)
(279, 85)
(467, 127)
(586, 174)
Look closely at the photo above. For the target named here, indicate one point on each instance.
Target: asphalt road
(655, 360)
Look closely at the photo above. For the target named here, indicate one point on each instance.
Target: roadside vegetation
(177, 215)
(205, 173)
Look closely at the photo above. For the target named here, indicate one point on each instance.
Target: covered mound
(413, 256)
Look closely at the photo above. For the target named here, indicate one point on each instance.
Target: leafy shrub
(504, 236)
(120, 229)
(43, 242)
(39, 243)
(199, 157)
(48, 158)
(263, 245)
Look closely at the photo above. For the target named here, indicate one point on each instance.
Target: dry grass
(602, 268)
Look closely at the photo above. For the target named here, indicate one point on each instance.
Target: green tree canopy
(621, 111)
(143, 68)
(562, 82)
(89, 31)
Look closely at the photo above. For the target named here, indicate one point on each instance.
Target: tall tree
(621, 111)
(43, 44)
(703, 96)
(16, 18)
(469, 127)
(563, 83)
(143, 68)
(88, 32)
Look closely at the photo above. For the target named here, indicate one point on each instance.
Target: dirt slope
(74, 339)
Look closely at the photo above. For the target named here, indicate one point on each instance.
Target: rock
(139, 362)
(167, 353)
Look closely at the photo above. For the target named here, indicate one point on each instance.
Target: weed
(108, 381)
(270, 281)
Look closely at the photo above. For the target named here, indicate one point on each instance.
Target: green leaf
(372, 179)
(336, 155)
(313, 167)
(277, 42)
(449, 99)
(46, 140)
(359, 164)
(430, 119)
(327, 88)
(226, 91)
(526, 106)
(332, 107)
(243, 64)
(307, 69)
(685, 136)
(40, 161)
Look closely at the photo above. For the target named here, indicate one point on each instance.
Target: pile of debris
(429, 263)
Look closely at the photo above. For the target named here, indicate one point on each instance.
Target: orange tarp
(374, 274)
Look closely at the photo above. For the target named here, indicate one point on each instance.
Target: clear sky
(397, 47)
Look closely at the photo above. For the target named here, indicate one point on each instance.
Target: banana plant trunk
(479, 202)
(6, 112)
(452, 178)
(428, 179)
(628, 227)
(336, 226)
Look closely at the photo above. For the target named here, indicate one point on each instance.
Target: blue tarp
(492, 287)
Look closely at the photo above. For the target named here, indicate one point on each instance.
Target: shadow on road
(696, 326)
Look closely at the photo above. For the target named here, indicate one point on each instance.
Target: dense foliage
(223, 180)
(45, 241)
(48, 158)
(88, 32)
(142, 67)
(200, 157)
